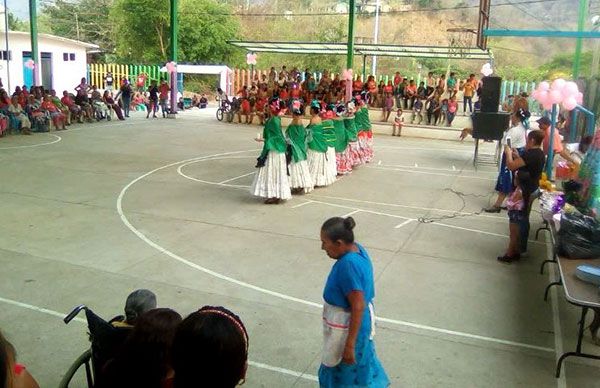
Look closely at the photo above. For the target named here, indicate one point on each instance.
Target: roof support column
(351, 20)
(34, 41)
(173, 54)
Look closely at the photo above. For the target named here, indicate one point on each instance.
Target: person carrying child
(398, 123)
(515, 205)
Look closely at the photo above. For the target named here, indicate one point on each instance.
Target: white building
(63, 62)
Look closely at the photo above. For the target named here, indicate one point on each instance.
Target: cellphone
(508, 142)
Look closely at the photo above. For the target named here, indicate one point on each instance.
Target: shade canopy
(404, 51)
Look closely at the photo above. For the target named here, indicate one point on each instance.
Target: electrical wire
(459, 213)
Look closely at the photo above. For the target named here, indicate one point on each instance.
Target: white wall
(65, 74)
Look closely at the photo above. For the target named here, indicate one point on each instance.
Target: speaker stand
(486, 159)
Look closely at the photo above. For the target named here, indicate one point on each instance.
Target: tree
(16, 24)
(86, 20)
(143, 31)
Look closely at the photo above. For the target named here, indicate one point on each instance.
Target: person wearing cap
(545, 125)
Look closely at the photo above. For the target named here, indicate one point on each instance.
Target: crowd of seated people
(37, 109)
(433, 101)
(207, 348)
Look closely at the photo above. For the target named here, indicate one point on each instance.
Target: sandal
(492, 209)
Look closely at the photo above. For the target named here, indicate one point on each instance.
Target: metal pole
(375, 37)
(351, 19)
(34, 40)
(550, 157)
(364, 73)
(7, 51)
(174, 31)
(576, 62)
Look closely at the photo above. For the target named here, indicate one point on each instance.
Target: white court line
(404, 206)
(425, 149)
(58, 138)
(276, 294)
(39, 309)
(432, 168)
(402, 224)
(237, 177)
(301, 204)
(81, 320)
(431, 173)
(283, 371)
(351, 213)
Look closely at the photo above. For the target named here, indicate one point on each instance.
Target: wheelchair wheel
(84, 359)
(220, 114)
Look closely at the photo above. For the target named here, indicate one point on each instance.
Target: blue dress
(354, 272)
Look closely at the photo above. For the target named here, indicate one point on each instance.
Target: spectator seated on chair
(58, 118)
(39, 119)
(4, 124)
(75, 110)
(4, 101)
(100, 108)
(144, 359)
(62, 107)
(137, 303)
(19, 118)
(83, 101)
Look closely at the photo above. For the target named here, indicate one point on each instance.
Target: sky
(20, 8)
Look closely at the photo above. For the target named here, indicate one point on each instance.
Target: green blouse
(297, 136)
(329, 133)
(351, 130)
(363, 123)
(317, 139)
(273, 136)
(341, 138)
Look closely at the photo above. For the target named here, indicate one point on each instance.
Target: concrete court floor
(164, 205)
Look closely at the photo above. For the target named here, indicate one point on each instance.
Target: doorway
(47, 70)
(27, 72)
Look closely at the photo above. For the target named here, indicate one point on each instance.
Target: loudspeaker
(490, 126)
(490, 94)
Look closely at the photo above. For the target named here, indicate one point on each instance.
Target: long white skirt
(319, 165)
(272, 181)
(300, 176)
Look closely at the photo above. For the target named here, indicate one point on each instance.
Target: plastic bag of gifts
(551, 203)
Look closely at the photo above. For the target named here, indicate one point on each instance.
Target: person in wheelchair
(137, 303)
(100, 108)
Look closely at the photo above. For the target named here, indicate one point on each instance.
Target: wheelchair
(105, 341)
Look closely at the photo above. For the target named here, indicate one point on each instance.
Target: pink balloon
(579, 98)
(543, 86)
(534, 94)
(30, 64)
(555, 96)
(570, 103)
(542, 97)
(558, 84)
(570, 89)
(547, 105)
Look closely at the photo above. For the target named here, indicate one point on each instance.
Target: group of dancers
(295, 161)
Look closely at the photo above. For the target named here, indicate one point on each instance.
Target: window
(72, 57)
(6, 56)
(68, 57)
(65, 57)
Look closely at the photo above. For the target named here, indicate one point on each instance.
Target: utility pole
(7, 50)
(375, 38)
(34, 41)
(77, 26)
(174, 34)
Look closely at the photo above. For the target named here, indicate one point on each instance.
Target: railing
(97, 72)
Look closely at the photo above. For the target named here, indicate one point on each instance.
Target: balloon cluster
(559, 92)
(30, 64)
(487, 70)
(251, 59)
(171, 67)
(347, 75)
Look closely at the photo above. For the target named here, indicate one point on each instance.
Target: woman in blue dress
(349, 359)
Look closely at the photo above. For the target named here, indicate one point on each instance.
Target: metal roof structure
(364, 49)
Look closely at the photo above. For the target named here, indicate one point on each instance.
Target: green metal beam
(173, 54)
(351, 20)
(34, 40)
(544, 33)
(580, 25)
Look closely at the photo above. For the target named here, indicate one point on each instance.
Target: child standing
(452, 108)
(516, 211)
(416, 111)
(398, 123)
(387, 106)
(443, 112)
